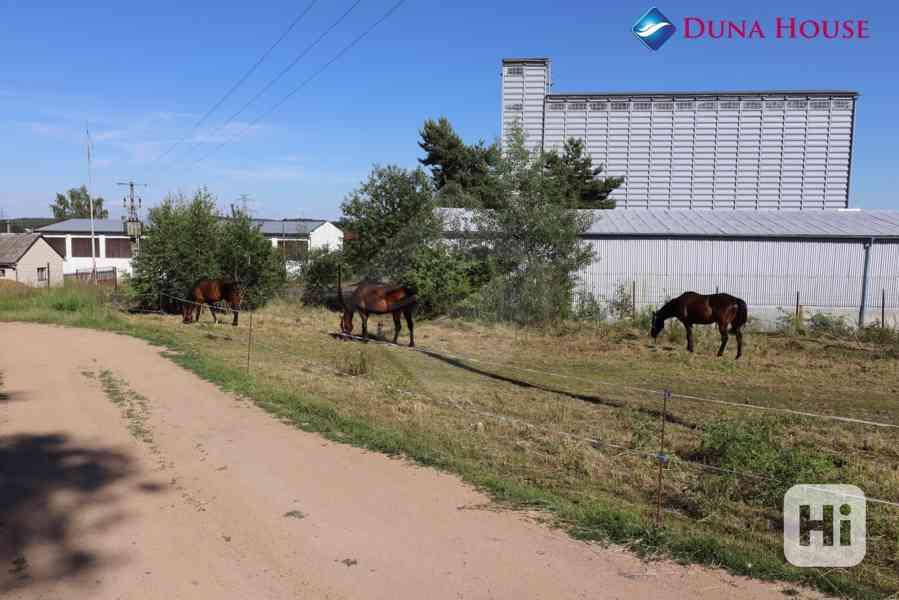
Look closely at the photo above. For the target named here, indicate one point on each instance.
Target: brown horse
(373, 297)
(691, 309)
(209, 292)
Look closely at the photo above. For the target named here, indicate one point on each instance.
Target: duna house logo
(654, 28)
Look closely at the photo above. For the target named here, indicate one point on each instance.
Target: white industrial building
(709, 149)
(834, 261)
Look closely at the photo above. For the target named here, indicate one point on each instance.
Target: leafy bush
(318, 273)
(621, 304)
(186, 240)
(824, 324)
(756, 446)
(441, 278)
(588, 308)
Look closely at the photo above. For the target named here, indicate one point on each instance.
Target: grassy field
(550, 420)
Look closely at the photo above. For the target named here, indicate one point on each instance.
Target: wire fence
(667, 400)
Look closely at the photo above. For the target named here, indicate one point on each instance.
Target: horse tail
(742, 315)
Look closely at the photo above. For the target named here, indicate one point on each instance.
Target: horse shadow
(46, 482)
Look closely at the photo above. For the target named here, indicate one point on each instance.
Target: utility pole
(132, 205)
(90, 200)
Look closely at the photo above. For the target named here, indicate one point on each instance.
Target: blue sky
(141, 74)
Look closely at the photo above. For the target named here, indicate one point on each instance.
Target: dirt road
(182, 491)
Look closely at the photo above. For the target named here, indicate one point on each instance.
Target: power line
(239, 81)
(286, 69)
(305, 82)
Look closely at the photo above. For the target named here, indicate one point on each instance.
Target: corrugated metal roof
(14, 245)
(704, 94)
(747, 223)
(621, 222)
(101, 226)
(288, 227)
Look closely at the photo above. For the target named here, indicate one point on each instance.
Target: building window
(685, 105)
(797, 104)
(842, 104)
(556, 106)
(577, 106)
(293, 250)
(515, 107)
(775, 105)
(42, 274)
(752, 105)
(619, 106)
(665, 106)
(729, 105)
(118, 248)
(81, 247)
(819, 105)
(599, 106)
(642, 106)
(707, 105)
(58, 244)
(514, 71)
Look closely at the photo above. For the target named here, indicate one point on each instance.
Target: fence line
(594, 380)
(661, 457)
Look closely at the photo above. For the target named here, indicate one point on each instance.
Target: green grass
(404, 403)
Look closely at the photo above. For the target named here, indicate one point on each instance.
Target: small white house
(27, 258)
(294, 237)
(72, 239)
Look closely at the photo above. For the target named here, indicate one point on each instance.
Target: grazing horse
(209, 292)
(373, 297)
(691, 308)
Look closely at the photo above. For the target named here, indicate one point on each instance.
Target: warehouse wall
(766, 273)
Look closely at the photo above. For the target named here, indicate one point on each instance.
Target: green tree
(463, 174)
(75, 204)
(185, 239)
(391, 215)
(579, 184)
(248, 257)
(533, 240)
(179, 246)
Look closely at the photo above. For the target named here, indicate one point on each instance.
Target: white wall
(40, 255)
(326, 235)
(74, 264)
(766, 273)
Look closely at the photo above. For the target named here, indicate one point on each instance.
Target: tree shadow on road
(46, 482)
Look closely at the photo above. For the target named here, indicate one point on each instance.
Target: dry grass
(521, 433)
(465, 410)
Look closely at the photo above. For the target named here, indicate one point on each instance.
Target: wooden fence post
(48, 276)
(797, 305)
(883, 308)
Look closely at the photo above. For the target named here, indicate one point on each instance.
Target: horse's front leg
(364, 317)
(212, 310)
(722, 327)
(739, 334)
(397, 326)
(236, 315)
(407, 312)
(689, 329)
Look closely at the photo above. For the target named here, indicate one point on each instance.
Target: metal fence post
(883, 308)
(797, 305)
(662, 457)
(861, 309)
